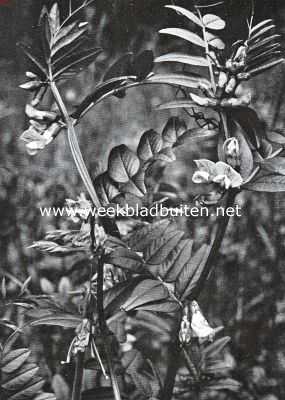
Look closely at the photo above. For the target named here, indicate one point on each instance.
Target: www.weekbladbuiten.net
(157, 210)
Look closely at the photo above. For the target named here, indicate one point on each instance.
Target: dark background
(247, 289)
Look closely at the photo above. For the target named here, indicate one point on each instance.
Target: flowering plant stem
(104, 330)
(222, 224)
(74, 146)
(79, 162)
(172, 368)
(175, 348)
(78, 377)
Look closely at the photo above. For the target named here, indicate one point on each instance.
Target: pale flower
(220, 173)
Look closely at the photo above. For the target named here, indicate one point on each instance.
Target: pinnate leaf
(123, 164)
(46, 396)
(225, 384)
(266, 67)
(30, 390)
(214, 22)
(215, 41)
(64, 39)
(184, 34)
(54, 18)
(271, 183)
(183, 59)
(63, 320)
(196, 133)
(150, 144)
(60, 387)
(248, 120)
(148, 291)
(276, 137)
(186, 13)
(180, 80)
(14, 360)
(173, 129)
(126, 259)
(214, 349)
(166, 155)
(261, 25)
(246, 157)
(23, 377)
(177, 104)
(135, 186)
(144, 236)
(191, 275)
(105, 188)
(274, 165)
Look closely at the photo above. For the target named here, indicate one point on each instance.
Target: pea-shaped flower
(220, 173)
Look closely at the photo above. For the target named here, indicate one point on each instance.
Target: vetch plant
(151, 274)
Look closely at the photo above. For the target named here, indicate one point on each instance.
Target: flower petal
(199, 325)
(206, 166)
(201, 177)
(35, 146)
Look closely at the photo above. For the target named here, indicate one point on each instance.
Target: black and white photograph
(142, 200)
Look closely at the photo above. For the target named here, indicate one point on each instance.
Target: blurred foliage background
(247, 289)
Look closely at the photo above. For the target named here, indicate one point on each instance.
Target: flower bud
(223, 79)
(231, 86)
(39, 115)
(240, 53)
(31, 85)
(222, 82)
(232, 152)
(100, 235)
(185, 331)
